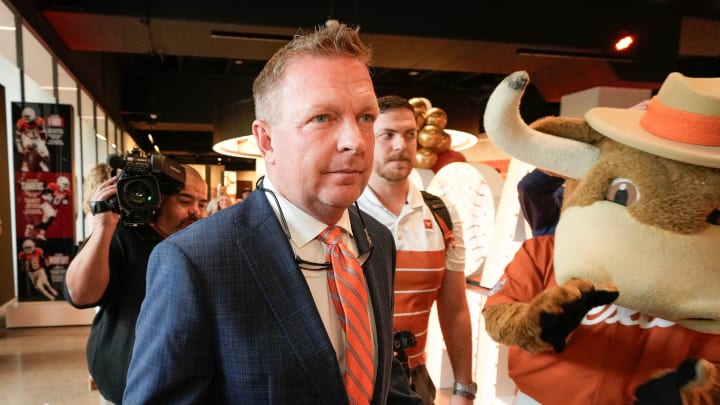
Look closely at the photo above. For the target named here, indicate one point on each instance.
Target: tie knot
(330, 235)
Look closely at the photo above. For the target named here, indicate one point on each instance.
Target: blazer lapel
(272, 263)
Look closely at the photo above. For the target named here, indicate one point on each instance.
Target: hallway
(44, 366)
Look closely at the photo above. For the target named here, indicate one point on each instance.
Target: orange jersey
(418, 278)
(34, 129)
(34, 261)
(611, 352)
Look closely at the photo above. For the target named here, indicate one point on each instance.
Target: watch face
(470, 388)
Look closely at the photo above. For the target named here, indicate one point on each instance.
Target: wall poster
(42, 162)
(230, 183)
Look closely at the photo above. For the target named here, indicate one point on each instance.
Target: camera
(403, 339)
(141, 181)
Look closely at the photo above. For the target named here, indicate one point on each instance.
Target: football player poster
(42, 162)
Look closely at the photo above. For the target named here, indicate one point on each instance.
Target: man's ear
(261, 130)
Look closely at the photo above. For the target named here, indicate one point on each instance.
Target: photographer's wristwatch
(465, 390)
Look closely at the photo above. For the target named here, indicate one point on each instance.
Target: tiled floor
(44, 366)
(47, 366)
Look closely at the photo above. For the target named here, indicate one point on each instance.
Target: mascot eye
(714, 217)
(623, 191)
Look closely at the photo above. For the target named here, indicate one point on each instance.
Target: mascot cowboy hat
(621, 305)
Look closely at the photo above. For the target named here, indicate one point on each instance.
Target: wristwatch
(465, 390)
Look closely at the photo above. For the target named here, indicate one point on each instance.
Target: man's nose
(352, 137)
(398, 143)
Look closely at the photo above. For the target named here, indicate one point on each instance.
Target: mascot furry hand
(622, 305)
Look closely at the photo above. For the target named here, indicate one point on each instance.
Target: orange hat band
(681, 126)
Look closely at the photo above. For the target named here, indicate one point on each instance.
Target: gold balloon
(421, 105)
(436, 116)
(445, 143)
(419, 119)
(425, 158)
(430, 137)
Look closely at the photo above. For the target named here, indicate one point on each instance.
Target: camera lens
(138, 194)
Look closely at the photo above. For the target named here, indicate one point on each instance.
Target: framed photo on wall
(230, 182)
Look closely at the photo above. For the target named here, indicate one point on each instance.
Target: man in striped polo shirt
(427, 270)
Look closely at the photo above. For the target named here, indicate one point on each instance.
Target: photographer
(109, 270)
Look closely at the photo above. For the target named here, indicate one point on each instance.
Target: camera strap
(98, 207)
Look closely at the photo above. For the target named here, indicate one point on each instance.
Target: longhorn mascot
(622, 304)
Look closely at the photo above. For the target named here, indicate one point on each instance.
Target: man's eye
(367, 118)
(321, 119)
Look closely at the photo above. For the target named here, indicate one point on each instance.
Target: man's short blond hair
(330, 40)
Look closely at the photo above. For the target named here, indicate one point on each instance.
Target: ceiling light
(150, 138)
(246, 147)
(228, 122)
(461, 140)
(157, 149)
(101, 136)
(60, 88)
(624, 43)
(242, 146)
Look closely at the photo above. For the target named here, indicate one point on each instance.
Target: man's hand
(104, 217)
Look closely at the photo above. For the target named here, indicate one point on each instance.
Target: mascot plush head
(645, 215)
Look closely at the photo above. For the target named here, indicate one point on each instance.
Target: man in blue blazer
(237, 308)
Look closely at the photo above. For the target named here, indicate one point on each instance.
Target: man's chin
(395, 176)
(185, 224)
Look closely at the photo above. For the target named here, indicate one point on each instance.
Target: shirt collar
(414, 197)
(303, 227)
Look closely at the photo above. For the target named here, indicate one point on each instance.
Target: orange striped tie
(347, 288)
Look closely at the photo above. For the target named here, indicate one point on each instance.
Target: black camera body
(141, 181)
(403, 339)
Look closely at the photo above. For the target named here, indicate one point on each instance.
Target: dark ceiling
(185, 61)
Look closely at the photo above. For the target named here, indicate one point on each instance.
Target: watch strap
(465, 390)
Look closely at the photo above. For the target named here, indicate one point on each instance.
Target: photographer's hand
(88, 275)
(102, 215)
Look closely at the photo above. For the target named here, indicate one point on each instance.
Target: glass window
(101, 133)
(67, 88)
(89, 141)
(113, 136)
(38, 61)
(7, 34)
